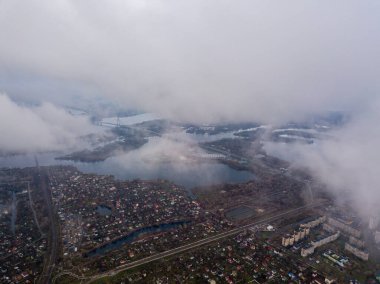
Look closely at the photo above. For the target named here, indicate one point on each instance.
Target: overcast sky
(201, 61)
(195, 60)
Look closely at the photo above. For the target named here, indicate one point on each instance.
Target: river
(186, 174)
(134, 236)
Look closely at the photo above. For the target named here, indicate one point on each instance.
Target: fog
(348, 163)
(203, 62)
(41, 128)
(177, 160)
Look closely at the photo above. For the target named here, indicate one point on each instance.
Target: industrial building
(303, 231)
(344, 227)
(307, 250)
(362, 254)
(356, 242)
(329, 228)
(335, 258)
(300, 234)
(320, 241)
(314, 223)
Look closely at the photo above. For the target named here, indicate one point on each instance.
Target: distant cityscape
(61, 225)
(189, 142)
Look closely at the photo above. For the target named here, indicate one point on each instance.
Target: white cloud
(202, 60)
(42, 128)
(348, 164)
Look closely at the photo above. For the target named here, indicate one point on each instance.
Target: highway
(202, 242)
(190, 246)
(34, 211)
(52, 252)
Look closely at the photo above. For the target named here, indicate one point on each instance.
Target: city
(105, 230)
(176, 142)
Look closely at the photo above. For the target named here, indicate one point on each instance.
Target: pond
(103, 210)
(127, 239)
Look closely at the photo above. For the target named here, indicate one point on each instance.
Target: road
(199, 243)
(190, 246)
(34, 211)
(42, 180)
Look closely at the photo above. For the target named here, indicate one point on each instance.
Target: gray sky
(199, 60)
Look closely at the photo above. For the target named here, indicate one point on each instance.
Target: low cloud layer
(36, 129)
(348, 163)
(170, 158)
(201, 61)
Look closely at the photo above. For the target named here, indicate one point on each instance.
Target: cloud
(42, 128)
(348, 163)
(202, 60)
(174, 157)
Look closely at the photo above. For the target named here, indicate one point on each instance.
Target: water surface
(186, 174)
(103, 210)
(116, 244)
